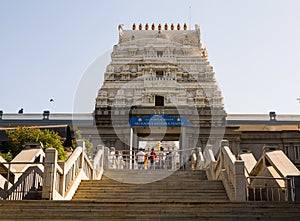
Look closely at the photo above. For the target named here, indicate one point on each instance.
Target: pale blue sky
(46, 46)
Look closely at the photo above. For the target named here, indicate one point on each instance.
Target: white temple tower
(158, 70)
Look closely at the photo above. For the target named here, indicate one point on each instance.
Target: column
(49, 173)
(183, 147)
(130, 148)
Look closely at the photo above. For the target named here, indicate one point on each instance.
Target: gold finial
(146, 26)
(166, 26)
(178, 26)
(133, 26)
(184, 26)
(153, 26)
(159, 27)
(140, 26)
(172, 26)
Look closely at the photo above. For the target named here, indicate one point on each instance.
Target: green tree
(50, 139)
(88, 144)
(7, 156)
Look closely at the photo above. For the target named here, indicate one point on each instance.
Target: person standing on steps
(193, 160)
(140, 159)
(145, 160)
(162, 158)
(152, 159)
(120, 161)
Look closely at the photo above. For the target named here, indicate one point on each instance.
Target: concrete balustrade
(228, 169)
(61, 179)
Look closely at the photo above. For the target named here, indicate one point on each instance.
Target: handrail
(29, 182)
(98, 163)
(72, 159)
(63, 178)
(168, 160)
(58, 180)
(281, 163)
(230, 170)
(269, 190)
(88, 167)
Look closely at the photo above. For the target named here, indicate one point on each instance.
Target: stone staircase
(137, 186)
(183, 195)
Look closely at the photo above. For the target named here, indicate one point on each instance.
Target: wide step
(184, 195)
(165, 186)
(84, 210)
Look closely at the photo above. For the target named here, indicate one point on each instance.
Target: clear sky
(48, 48)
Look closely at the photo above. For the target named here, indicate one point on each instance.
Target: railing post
(49, 173)
(102, 157)
(81, 143)
(240, 182)
(62, 181)
(105, 155)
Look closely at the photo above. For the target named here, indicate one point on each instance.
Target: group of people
(146, 160)
(151, 160)
(115, 160)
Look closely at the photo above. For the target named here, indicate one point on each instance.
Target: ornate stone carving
(175, 66)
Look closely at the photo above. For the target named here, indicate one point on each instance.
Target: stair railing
(271, 189)
(22, 178)
(280, 183)
(98, 163)
(210, 163)
(28, 185)
(164, 160)
(231, 171)
(63, 178)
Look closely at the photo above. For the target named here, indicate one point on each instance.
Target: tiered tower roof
(159, 66)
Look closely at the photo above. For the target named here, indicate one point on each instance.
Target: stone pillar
(62, 181)
(131, 158)
(136, 146)
(135, 141)
(183, 147)
(240, 181)
(49, 173)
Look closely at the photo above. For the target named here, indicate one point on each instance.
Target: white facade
(159, 67)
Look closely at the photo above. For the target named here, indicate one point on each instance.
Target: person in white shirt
(162, 158)
(140, 159)
(119, 161)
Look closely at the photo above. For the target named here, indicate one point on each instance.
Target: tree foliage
(7, 156)
(88, 144)
(21, 135)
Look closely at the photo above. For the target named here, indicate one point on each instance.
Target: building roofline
(89, 116)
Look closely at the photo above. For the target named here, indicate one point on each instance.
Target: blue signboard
(159, 120)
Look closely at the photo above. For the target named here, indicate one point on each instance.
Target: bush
(21, 135)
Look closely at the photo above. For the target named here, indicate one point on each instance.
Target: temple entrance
(165, 136)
